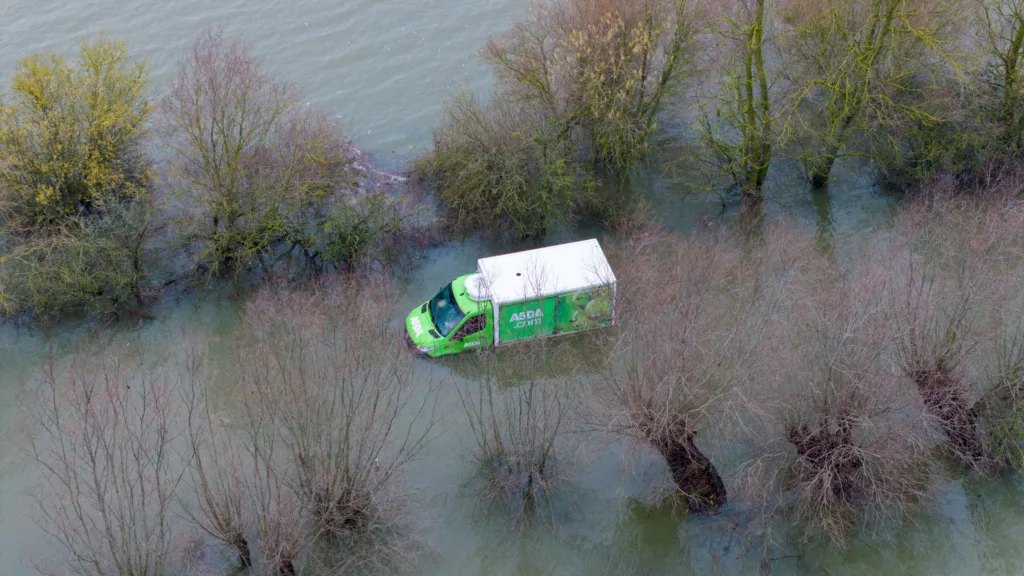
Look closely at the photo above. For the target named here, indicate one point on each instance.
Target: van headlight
(423, 349)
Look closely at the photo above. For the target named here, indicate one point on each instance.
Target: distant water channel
(384, 67)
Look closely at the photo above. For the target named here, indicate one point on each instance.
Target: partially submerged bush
(504, 167)
(376, 226)
(74, 182)
(105, 432)
(94, 266)
(333, 412)
(580, 85)
(604, 69)
(71, 136)
(253, 164)
(518, 430)
(737, 115)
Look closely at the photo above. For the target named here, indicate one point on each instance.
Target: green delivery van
(518, 297)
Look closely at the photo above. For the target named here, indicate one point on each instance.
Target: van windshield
(445, 311)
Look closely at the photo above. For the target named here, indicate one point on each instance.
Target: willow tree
(71, 135)
(736, 119)
(604, 68)
(74, 181)
(251, 161)
(844, 438)
(848, 61)
(1002, 34)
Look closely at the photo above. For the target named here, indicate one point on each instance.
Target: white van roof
(542, 272)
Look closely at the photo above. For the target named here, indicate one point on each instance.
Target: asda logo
(527, 318)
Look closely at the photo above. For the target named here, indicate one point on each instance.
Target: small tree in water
(580, 87)
(847, 61)
(105, 432)
(518, 426)
(677, 358)
(71, 136)
(74, 182)
(736, 118)
(253, 163)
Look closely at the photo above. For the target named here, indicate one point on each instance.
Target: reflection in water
(826, 228)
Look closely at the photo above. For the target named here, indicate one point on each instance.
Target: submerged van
(518, 297)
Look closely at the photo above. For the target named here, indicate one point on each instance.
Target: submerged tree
(580, 87)
(518, 427)
(105, 433)
(331, 393)
(71, 136)
(74, 182)
(848, 61)
(253, 164)
(843, 442)
(736, 118)
(1002, 38)
(603, 69)
(677, 361)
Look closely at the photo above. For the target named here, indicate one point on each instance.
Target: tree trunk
(957, 419)
(694, 474)
(945, 400)
(820, 169)
(286, 568)
(244, 554)
(827, 451)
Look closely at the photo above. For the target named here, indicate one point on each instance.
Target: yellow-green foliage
(736, 119)
(70, 134)
(624, 65)
(503, 169)
(601, 67)
(850, 61)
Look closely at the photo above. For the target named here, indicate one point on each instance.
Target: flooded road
(384, 68)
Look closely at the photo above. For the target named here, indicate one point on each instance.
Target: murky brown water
(384, 67)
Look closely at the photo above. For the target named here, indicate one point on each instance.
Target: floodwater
(384, 67)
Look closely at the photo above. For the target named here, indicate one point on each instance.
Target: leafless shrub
(217, 468)
(945, 290)
(330, 392)
(517, 429)
(105, 429)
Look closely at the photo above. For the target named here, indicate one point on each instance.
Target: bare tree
(330, 391)
(106, 426)
(217, 467)
(687, 324)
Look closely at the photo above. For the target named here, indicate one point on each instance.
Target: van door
(475, 332)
